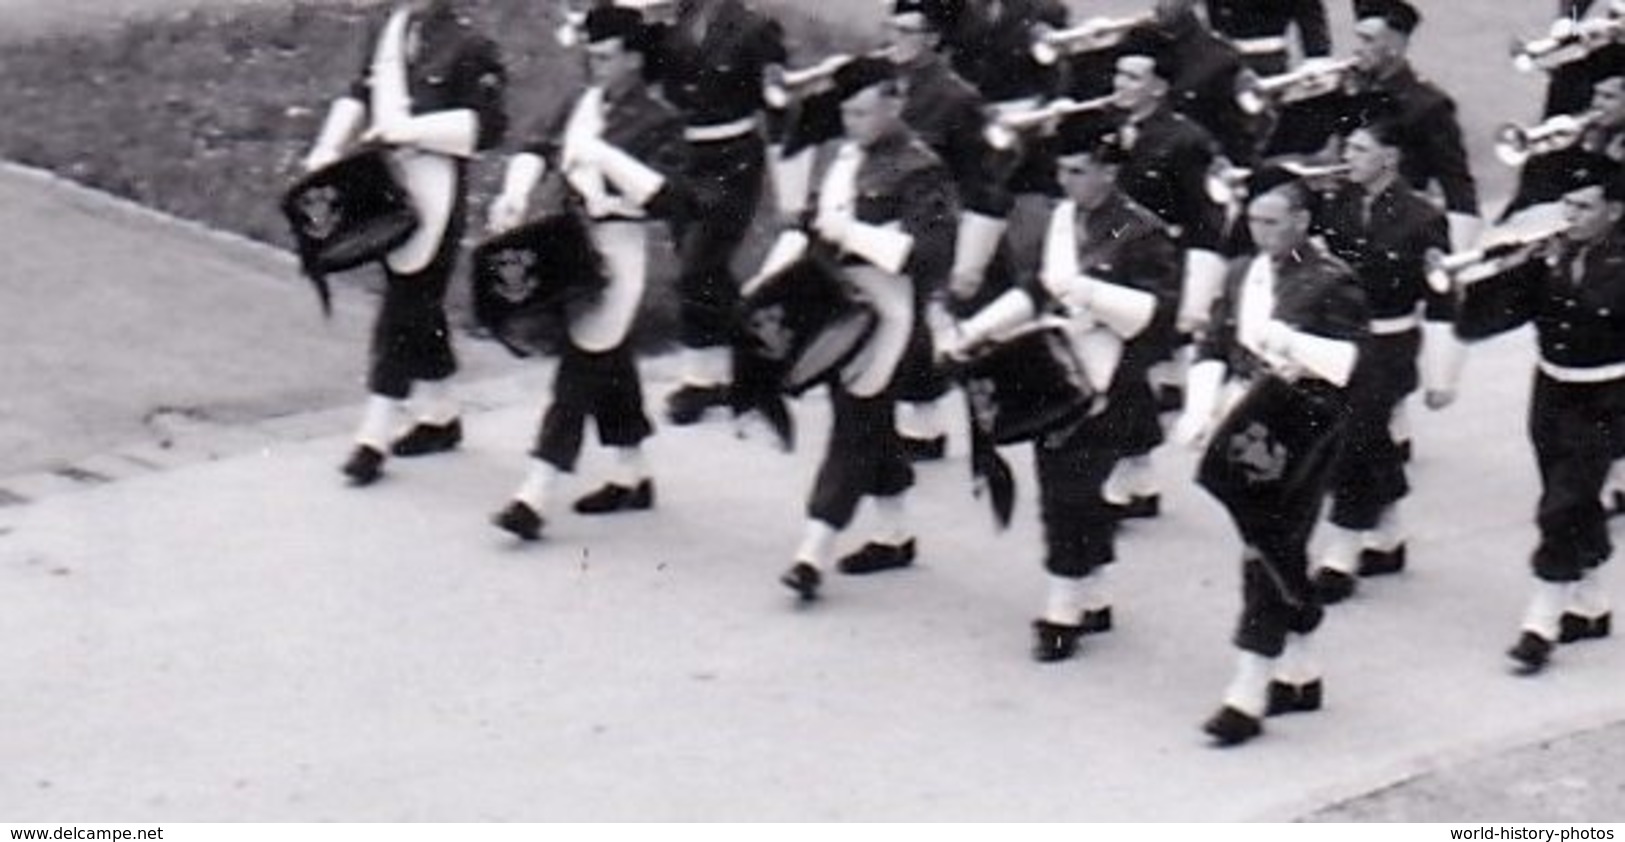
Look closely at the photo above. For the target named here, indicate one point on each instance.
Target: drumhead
(831, 348)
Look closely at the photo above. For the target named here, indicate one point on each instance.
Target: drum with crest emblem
(526, 279)
(802, 324)
(1026, 385)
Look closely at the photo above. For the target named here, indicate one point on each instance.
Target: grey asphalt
(206, 624)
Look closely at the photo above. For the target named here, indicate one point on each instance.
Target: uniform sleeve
(662, 148)
(545, 132)
(1433, 235)
(770, 47)
(1200, 219)
(1153, 263)
(1440, 136)
(1343, 313)
(974, 164)
(1314, 34)
(930, 214)
(1499, 303)
(483, 87)
(1219, 342)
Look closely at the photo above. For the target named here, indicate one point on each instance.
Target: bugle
(1005, 131)
(782, 87)
(1465, 267)
(1315, 77)
(1570, 41)
(1094, 34)
(1515, 144)
(1227, 185)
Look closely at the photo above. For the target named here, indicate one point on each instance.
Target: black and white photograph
(477, 412)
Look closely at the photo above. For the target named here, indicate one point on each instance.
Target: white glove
(1191, 430)
(1076, 293)
(319, 158)
(506, 212)
(834, 225)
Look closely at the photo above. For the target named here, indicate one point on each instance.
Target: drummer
(1110, 268)
(886, 211)
(617, 147)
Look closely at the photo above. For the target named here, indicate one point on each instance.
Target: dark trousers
(602, 386)
(1370, 475)
(726, 182)
(1276, 597)
(1575, 428)
(411, 339)
(864, 457)
(1078, 523)
(918, 379)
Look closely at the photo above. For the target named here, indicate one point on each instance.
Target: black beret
(1591, 169)
(1268, 177)
(941, 15)
(1090, 133)
(862, 73)
(1398, 14)
(606, 22)
(1164, 61)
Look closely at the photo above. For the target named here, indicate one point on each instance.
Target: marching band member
(618, 148)
(1202, 70)
(991, 47)
(1258, 30)
(886, 207)
(710, 64)
(1385, 231)
(1111, 268)
(1571, 83)
(1290, 323)
(1573, 291)
(432, 91)
(1600, 130)
(1166, 167)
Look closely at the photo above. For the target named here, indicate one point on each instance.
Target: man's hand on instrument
(506, 212)
(1191, 430)
(833, 226)
(1438, 398)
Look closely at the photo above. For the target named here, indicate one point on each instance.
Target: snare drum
(348, 213)
(525, 280)
(802, 324)
(1026, 386)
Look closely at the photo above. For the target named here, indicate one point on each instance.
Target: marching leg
(812, 559)
(438, 427)
(1334, 581)
(1246, 699)
(1542, 625)
(1295, 687)
(523, 514)
(1588, 615)
(366, 462)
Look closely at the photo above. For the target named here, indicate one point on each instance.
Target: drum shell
(1026, 387)
(1274, 447)
(349, 213)
(527, 279)
(802, 325)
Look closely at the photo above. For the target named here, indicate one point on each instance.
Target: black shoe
(1532, 652)
(365, 465)
(424, 439)
(1054, 641)
(1332, 586)
(1382, 563)
(924, 450)
(618, 498)
(520, 519)
(804, 579)
(1138, 506)
(1294, 698)
(1575, 628)
(1231, 727)
(688, 404)
(1097, 621)
(873, 558)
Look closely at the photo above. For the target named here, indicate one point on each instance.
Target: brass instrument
(570, 32)
(1093, 34)
(1227, 185)
(1006, 130)
(1515, 144)
(1468, 266)
(1315, 77)
(782, 87)
(1570, 42)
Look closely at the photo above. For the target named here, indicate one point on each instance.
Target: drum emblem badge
(515, 281)
(767, 325)
(1261, 458)
(321, 212)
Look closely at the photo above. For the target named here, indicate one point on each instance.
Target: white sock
(1250, 686)
(921, 420)
(1546, 608)
(538, 485)
(1589, 596)
(1298, 665)
(628, 467)
(433, 402)
(378, 421)
(817, 544)
(1131, 477)
(891, 520)
(1340, 549)
(707, 366)
(1399, 424)
(1098, 595)
(1389, 534)
(1067, 598)
(1614, 483)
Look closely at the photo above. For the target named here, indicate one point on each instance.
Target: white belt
(1260, 46)
(720, 131)
(1397, 324)
(1588, 374)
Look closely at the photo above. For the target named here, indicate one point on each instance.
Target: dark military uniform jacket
(1166, 171)
(636, 121)
(1314, 293)
(716, 78)
(992, 47)
(1543, 177)
(1574, 296)
(1386, 244)
(1246, 20)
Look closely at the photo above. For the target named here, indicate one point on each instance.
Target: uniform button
(1564, 325)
